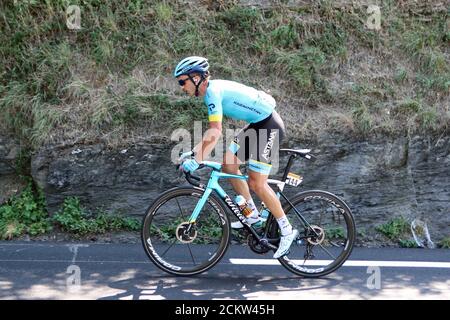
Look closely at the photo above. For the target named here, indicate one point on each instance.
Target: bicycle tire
(307, 201)
(154, 244)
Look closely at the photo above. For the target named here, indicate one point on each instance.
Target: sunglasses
(182, 82)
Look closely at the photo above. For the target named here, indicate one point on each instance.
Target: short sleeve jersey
(237, 101)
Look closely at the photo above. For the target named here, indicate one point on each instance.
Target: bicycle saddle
(304, 153)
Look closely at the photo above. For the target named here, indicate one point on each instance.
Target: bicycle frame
(313, 203)
(213, 185)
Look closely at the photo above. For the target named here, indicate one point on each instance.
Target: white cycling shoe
(255, 222)
(285, 244)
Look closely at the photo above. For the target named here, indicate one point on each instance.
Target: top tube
(218, 166)
(213, 164)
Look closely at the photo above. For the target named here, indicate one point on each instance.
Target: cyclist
(223, 97)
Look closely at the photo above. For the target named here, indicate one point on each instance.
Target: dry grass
(112, 81)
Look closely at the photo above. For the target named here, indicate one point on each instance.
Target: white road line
(271, 262)
(79, 261)
(351, 263)
(74, 249)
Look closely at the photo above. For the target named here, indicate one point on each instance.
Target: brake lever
(189, 175)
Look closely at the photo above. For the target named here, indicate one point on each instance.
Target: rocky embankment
(380, 179)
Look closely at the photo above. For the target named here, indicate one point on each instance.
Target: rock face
(10, 184)
(378, 179)
(384, 179)
(123, 181)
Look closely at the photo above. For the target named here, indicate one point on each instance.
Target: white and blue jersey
(256, 107)
(237, 101)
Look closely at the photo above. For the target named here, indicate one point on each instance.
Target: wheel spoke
(328, 252)
(200, 249)
(192, 256)
(181, 210)
(323, 218)
(175, 240)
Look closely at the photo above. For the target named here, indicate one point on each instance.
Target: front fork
(198, 208)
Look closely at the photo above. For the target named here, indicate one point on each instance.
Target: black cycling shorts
(255, 142)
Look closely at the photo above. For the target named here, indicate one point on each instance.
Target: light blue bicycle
(186, 230)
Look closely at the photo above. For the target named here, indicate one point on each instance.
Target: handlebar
(190, 177)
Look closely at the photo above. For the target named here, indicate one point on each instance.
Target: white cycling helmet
(190, 65)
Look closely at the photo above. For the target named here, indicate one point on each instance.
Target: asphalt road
(32, 270)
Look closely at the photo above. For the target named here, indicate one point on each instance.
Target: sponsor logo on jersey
(269, 145)
(247, 107)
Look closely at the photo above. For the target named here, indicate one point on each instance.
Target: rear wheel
(178, 247)
(325, 240)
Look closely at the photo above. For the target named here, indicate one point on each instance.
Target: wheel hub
(185, 236)
(317, 238)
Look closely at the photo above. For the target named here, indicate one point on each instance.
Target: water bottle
(264, 212)
(243, 206)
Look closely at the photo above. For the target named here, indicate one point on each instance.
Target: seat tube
(288, 167)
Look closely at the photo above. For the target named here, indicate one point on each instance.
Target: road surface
(46, 270)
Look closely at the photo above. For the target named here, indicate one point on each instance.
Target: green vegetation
(394, 228)
(24, 214)
(112, 78)
(445, 243)
(426, 44)
(335, 233)
(210, 229)
(75, 219)
(27, 214)
(398, 230)
(165, 232)
(407, 243)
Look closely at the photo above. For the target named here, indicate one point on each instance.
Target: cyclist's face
(186, 85)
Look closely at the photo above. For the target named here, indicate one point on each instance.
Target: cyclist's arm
(213, 101)
(209, 141)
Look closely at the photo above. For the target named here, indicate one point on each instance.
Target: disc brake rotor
(185, 236)
(316, 239)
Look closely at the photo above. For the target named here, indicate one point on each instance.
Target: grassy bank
(111, 80)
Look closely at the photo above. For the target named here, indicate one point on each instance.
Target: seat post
(288, 166)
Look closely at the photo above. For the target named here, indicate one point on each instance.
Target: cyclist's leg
(231, 165)
(270, 133)
(238, 152)
(258, 184)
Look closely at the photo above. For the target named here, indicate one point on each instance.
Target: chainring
(255, 246)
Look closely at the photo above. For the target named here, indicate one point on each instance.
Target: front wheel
(326, 233)
(176, 246)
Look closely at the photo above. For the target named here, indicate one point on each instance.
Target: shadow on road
(217, 286)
